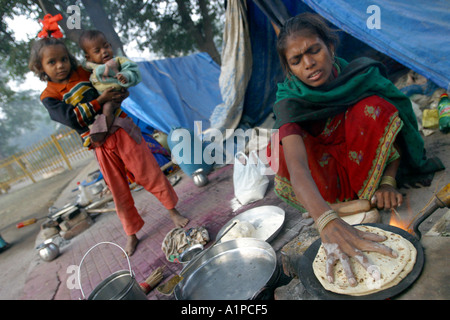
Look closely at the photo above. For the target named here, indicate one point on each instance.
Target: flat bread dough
(392, 270)
(242, 229)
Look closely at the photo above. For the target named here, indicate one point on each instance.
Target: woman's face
(309, 59)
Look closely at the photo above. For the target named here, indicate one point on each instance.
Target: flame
(398, 221)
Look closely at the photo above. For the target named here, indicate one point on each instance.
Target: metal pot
(48, 251)
(200, 178)
(97, 187)
(240, 269)
(121, 285)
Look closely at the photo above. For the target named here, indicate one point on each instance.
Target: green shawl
(363, 77)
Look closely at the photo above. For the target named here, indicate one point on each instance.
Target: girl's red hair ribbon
(50, 26)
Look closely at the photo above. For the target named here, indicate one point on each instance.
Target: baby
(108, 73)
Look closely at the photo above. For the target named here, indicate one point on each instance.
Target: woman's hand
(342, 241)
(387, 197)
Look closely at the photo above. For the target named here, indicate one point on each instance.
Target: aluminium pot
(239, 269)
(200, 178)
(48, 250)
(121, 285)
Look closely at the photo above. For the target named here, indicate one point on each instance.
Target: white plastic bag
(250, 183)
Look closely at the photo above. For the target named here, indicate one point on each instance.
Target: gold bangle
(324, 219)
(390, 181)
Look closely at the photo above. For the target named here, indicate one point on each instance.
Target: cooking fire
(398, 221)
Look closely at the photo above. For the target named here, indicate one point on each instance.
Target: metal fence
(42, 159)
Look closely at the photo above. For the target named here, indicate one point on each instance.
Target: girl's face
(56, 63)
(309, 59)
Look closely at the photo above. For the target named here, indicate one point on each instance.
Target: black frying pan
(314, 287)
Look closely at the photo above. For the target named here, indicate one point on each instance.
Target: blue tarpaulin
(175, 92)
(413, 33)
(178, 91)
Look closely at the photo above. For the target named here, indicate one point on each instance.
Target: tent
(176, 92)
(412, 33)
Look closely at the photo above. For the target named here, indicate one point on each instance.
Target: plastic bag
(430, 118)
(250, 183)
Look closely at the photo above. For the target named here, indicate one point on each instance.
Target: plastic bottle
(444, 113)
(84, 198)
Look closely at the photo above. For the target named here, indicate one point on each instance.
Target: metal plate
(314, 287)
(267, 220)
(233, 270)
(67, 208)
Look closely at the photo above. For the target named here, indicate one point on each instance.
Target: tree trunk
(97, 15)
(203, 37)
(101, 22)
(208, 45)
(48, 7)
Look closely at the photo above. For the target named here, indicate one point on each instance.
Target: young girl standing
(71, 100)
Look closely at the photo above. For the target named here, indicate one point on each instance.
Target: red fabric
(120, 151)
(348, 157)
(50, 26)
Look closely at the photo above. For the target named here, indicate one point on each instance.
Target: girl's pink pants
(119, 154)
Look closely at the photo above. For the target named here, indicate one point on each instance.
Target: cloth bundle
(177, 240)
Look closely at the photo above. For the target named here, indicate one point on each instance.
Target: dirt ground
(32, 201)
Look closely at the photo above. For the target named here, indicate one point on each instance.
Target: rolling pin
(351, 207)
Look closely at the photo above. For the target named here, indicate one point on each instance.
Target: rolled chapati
(392, 270)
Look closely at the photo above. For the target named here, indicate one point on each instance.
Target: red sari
(347, 153)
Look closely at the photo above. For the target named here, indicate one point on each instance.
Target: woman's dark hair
(304, 23)
(35, 63)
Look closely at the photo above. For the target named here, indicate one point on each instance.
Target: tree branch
(187, 21)
(48, 7)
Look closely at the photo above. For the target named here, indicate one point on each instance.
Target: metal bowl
(48, 251)
(200, 178)
(96, 188)
(239, 269)
(188, 254)
(267, 220)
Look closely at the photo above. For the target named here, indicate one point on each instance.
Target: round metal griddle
(314, 287)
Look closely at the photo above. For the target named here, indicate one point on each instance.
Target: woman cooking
(345, 130)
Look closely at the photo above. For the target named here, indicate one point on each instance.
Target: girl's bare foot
(132, 242)
(178, 219)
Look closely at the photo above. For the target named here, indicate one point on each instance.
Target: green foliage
(169, 28)
(20, 112)
(14, 54)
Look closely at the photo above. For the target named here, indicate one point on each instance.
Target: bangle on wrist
(388, 180)
(325, 218)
